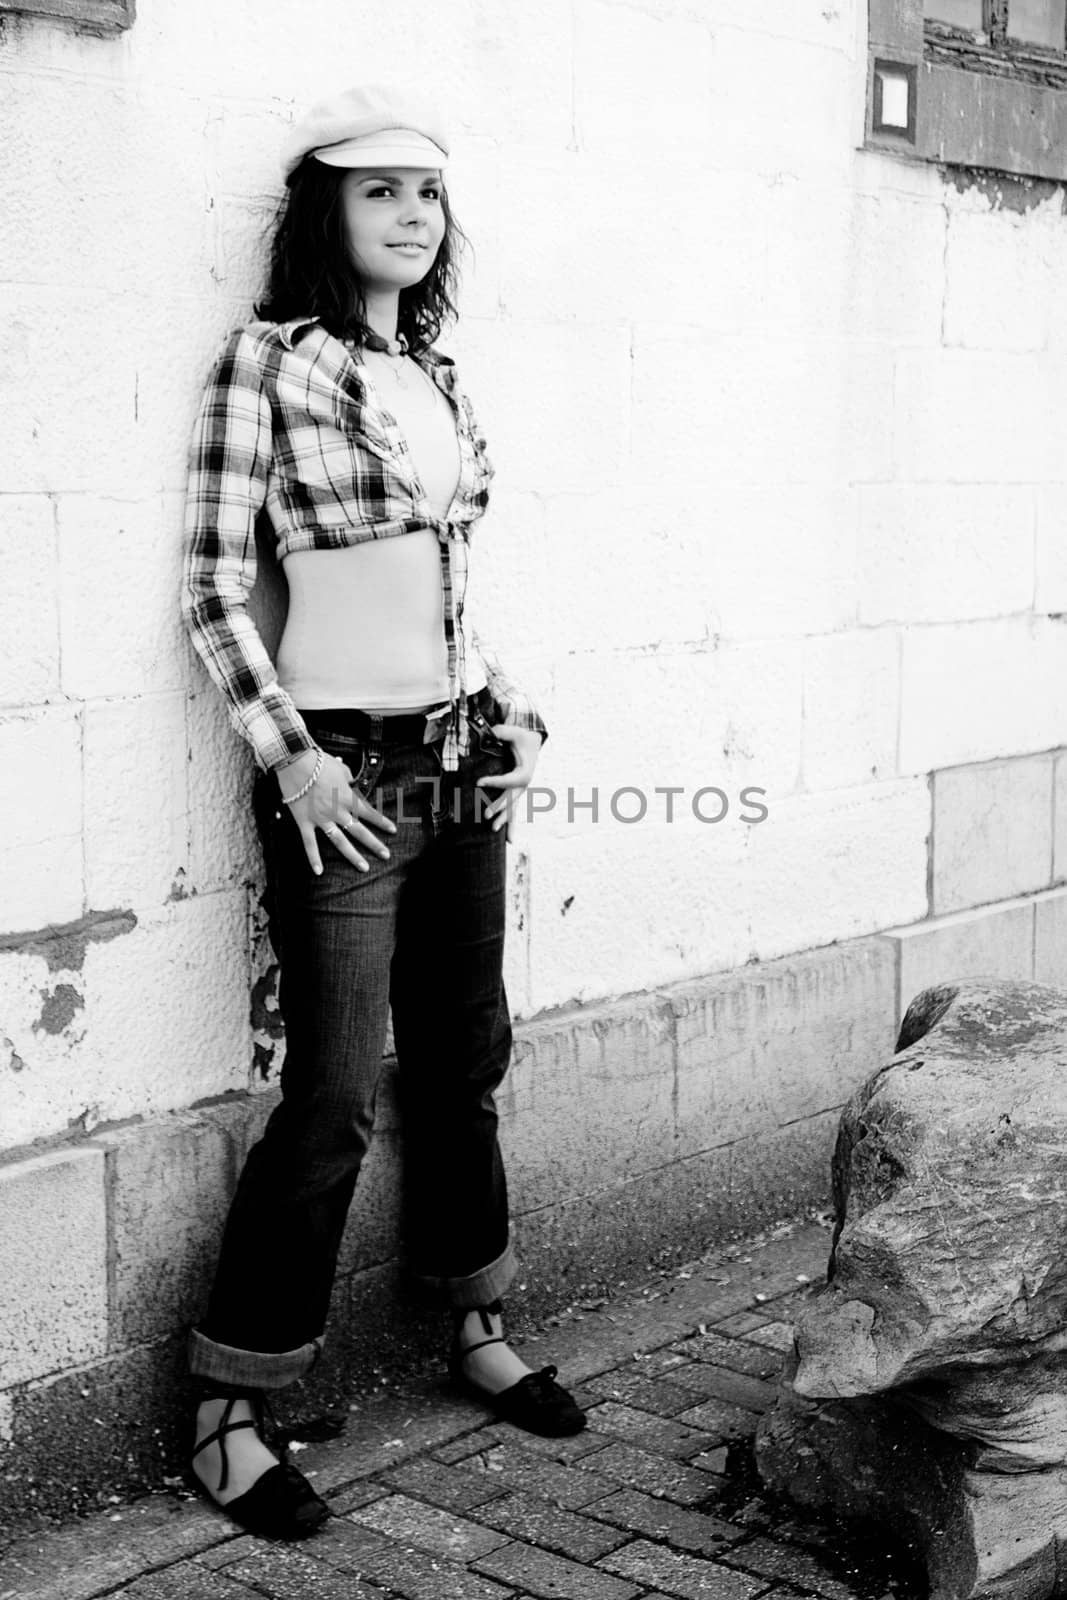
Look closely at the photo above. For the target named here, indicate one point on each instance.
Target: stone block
(29, 671)
(997, 281)
(974, 691)
(812, 87)
(1050, 587)
(656, 64)
(41, 869)
(1059, 820)
(704, 409)
(778, 1042)
(173, 1000)
(727, 718)
(580, 442)
(932, 552)
(992, 832)
(53, 1263)
(993, 940)
(169, 1181)
(119, 573)
(223, 847)
(136, 800)
(779, 564)
(563, 1071)
(1050, 938)
(942, 405)
(851, 708)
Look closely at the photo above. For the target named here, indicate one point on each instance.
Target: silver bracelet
(288, 800)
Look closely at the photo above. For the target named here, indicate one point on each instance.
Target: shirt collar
(288, 332)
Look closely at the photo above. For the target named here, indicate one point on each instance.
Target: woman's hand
(527, 747)
(333, 806)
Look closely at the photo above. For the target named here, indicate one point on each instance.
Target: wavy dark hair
(312, 274)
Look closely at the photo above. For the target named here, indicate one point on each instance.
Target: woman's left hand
(527, 747)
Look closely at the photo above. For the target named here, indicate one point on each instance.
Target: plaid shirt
(287, 427)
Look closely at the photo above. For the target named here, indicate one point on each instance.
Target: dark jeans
(422, 934)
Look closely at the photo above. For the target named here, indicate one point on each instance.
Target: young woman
(391, 747)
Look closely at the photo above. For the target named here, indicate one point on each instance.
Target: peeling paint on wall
(64, 946)
(59, 1007)
(14, 1060)
(1003, 192)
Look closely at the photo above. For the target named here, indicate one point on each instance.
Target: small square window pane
(961, 13)
(1038, 21)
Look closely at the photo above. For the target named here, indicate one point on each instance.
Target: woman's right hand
(334, 807)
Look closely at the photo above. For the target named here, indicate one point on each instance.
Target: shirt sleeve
(229, 462)
(514, 703)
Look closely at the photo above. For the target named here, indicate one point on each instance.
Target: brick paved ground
(431, 1502)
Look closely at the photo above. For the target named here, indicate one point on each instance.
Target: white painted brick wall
(779, 432)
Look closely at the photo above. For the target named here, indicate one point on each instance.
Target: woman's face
(394, 223)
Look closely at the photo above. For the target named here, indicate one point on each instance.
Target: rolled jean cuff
(480, 1288)
(250, 1369)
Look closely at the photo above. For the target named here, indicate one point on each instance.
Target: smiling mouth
(408, 244)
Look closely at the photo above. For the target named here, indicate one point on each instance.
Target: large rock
(946, 1301)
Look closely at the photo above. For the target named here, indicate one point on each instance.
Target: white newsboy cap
(371, 126)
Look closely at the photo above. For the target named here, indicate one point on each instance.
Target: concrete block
(943, 401)
(1050, 585)
(41, 871)
(871, 846)
(119, 575)
(934, 552)
(832, 28)
(657, 65)
(852, 265)
(54, 441)
(975, 691)
(997, 281)
(779, 563)
(617, 537)
(811, 88)
(53, 1263)
(779, 1042)
(578, 443)
(992, 831)
(136, 804)
(851, 707)
(105, 186)
(1050, 938)
(1059, 819)
(564, 1071)
(168, 1010)
(567, 266)
(510, 581)
(223, 847)
(675, 902)
(169, 1181)
(705, 409)
(993, 941)
(729, 717)
(29, 670)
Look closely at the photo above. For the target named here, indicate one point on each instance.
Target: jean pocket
(353, 752)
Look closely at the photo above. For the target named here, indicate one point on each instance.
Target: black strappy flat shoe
(537, 1402)
(281, 1504)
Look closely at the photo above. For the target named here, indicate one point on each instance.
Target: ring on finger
(331, 830)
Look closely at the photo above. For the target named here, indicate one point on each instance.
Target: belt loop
(376, 721)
